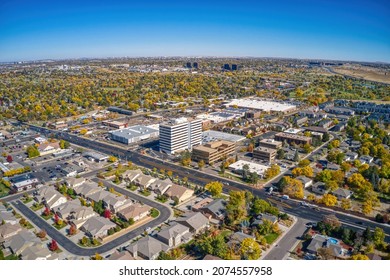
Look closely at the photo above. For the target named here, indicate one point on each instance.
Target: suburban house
(320, 241)
(87, 189)
(97, 227)
(366, 159)
(333, 166)
(260, 219)
(8, 230)
(81, 215)
(317, 242)
(38, 252)
(147, 248)
(66, 209)
(50, 197)
(236, 239)
(97, 196)
(8, 218)
(75, 182)
(341, 193)
(136, 212)
(131, 175)
(195, 221)
(160, 186)
(351, 156)
(319, 188)
(179, 192)
(48, 148)
(306, 182)
(115, 202)
(215, 209)
(144, 181)
(174, 235)
(123, 256)
(200, 204)
(20, 241)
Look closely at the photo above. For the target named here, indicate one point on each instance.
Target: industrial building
(237, 167)
(180, 134)
(263, 153)
(133, 134)
(292, 138)
(213, 151)
(262, 105)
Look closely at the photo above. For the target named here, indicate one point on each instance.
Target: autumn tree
(292, 187)
(346, 204)
(236, 207)
(250, 249)
(360, 257)
(42, 234)
(329, 200)
(53, 246)
(215, 188)
(201, 164)
(271, 172)
(107, 214)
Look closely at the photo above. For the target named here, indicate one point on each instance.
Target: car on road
(285, 197)
(302, 203)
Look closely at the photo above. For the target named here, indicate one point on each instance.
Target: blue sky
(328, 29)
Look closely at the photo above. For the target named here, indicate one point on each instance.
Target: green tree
(32, 151)
(250, 249)
(236, 207)
(215, 188)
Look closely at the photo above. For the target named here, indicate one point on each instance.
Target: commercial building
(115, 124)
(212, 135)
(133, 134)
(292, 138)
(262, 105)
(180, 134)
(213, 151)
(270, 143)
(237, 167)
(23, 182)
(263, 153)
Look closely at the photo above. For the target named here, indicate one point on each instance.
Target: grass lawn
(154, 213)
(145, 192)
(3, 190)
(36, 207)
(133, 188)
(47, 217)
(26, 200)
(89, 243)
(162, 199)
(271, 237)
(59, 226)
(27, 225)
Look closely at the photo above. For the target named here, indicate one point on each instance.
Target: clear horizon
(324, 30)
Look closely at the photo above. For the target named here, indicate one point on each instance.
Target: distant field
(367, 73)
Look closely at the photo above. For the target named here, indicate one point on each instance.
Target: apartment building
(180, 134)
(292, 138)
(213, 151)
(263, 153)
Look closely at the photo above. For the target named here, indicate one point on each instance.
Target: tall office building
(180, 134)
(234, 67)
(226, 67)
(195, 65)
(188, 65)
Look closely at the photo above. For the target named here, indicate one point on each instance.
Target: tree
(254, 178)
(107, 214)
(53, 246)
(325, 253)
(214, 245)
(329, 200)
(250, 147)
(72, 229)
(378, 237)
(9, 158)
(201, 164)
(305, 171)
(64, 144)
(331, 221)
(280, 154)
(32, 151)
(245, 172)
(169, 174)
(325, 137)
(346, 204)
(260, 206)
(215, 188)
(250, 249)
(296, 156)
(112, 159)
(97, 257)
(304, 162)
(46, 212)
(236, 207)
(271, 172)
(359, 184)
(42, 234)
(292, 187)
(307, 148)
(360, 257)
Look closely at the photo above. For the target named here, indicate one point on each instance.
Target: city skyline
(356, 31)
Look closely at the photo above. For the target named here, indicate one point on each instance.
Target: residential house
(8, 230)
(81, 215)
(65, 210)
(87, 189)
(174, 235)
(38, 252)
(179, 192)
(333, 166)
(136, 212)
(50, 197)
(200, 204)
(144, 181)
(160, 186)
(97, 196)
(20, 241)
(260, 219)
(131, 175)
(236, 239)
(8, 218)
(147, 248)
(75, 182)
(351, 156)
(215, 209)
(97, 227)
(317, 242)
(307, 182)
(366, 159)
(115, 202)
(195, 221)
(123, 256)
(319, 188)
(341, 193)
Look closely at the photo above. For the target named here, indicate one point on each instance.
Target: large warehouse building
(133, 134)
(262, 105)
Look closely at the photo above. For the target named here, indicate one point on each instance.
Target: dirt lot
(364, 72)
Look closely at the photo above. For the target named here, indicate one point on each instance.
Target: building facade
(213, 151)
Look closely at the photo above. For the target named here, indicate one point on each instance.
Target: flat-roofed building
(271, 143)
(213, 151)
(264, 153)
(238, 166)
(292, 138)
(133, 134)
(180, 134)
(115, 124)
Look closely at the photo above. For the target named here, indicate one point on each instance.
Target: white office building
(180, 134)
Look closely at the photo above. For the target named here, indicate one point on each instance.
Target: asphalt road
(165, 214)
(282, 247)
(201, 178)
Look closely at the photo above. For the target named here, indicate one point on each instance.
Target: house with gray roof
(144, 181)
(20, 241)
(97, 196)
(8, 230)
(115, 202)
(195, 221)
(97, 227)
(75, 182)
(160, 186)
(317, 242)
(123, 255)
(87, 189)
(319, 188)
(174, 235)
(66, 209)
(341, 193)
(147, 248)
(306, 181)
(38, 252)
(136, 211)
(81, 214)
(131, 175)
(216, 209)
(8, 217)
